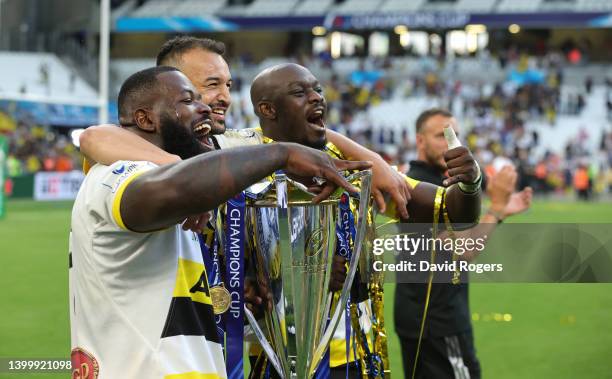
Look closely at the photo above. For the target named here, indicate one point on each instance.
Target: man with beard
(447, 344)
(140, 305)
(289, 94)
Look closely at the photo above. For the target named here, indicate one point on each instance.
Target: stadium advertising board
(57, 185)
(362, 22)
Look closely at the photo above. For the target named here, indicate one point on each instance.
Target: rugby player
(139, 297)
(291, 106)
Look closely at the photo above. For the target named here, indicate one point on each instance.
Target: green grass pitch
(555, 331)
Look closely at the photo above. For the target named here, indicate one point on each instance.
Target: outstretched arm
(109, 143)
(385, 180)
(167, 195)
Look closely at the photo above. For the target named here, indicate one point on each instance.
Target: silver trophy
(293, 242)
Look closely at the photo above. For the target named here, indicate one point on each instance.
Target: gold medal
(220, 298)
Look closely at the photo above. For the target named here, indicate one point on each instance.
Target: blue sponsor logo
(119, 170)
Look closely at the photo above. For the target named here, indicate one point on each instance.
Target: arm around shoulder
(109, 143)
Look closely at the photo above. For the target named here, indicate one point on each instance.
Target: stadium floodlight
(336, 45)
(405, 39)
(400, 29)
(319, 30)
(514, 28)
(475, 28)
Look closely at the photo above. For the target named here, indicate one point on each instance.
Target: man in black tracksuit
(447, 349)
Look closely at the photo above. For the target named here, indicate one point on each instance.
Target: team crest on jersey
(84, 364)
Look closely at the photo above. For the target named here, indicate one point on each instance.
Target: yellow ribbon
(440, 194)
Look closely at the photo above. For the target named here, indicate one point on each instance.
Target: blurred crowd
(494, 116)
(34, 148)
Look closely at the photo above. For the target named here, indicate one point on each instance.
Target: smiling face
(299, 106)
(185, 122)
(210, 75)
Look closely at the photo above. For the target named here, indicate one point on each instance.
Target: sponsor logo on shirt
(119, 170)
(124, 172)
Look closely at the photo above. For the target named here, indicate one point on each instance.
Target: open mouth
(202, 132)
(218, 113)
(317, 118)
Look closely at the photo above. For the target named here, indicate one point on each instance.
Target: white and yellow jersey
(139, 302)
(239, 138)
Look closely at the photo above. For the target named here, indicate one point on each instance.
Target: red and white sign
(57, 185)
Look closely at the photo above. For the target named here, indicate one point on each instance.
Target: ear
(143, 120)
(266, 110)
(419, 139)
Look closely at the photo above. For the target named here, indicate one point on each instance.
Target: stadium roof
(216, 15)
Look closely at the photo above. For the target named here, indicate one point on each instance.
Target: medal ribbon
(210, 256)
(438, 201)
(347, 234)
(234, 262)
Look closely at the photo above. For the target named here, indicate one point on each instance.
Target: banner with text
(506, 253)
(57, 185)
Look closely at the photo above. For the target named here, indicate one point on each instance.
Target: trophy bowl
(292, 242)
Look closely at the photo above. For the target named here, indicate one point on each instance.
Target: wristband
(472, 187)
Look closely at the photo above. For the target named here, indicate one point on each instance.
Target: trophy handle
(261, 337)
(366, 181)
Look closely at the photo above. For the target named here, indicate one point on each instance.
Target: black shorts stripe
(190, 318)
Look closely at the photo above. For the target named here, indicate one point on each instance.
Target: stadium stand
(121, 69)
(558, 5)
(42, 76)
(593, 5)
(476, 6)
(157, 8)
(198, 7)
(313, 7)
(518, 6)
(391, 6)
(549, 110)
(260, 8)
(439, 6)
(233, 10)
(358, 6)
(271, 8)
(179, 8)
(34, 148)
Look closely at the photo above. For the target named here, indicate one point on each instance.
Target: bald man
(289, 102)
